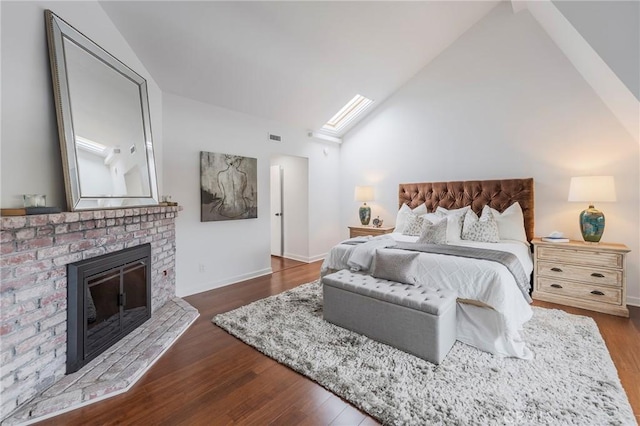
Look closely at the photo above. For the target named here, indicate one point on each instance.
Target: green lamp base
(365, 214)
(592, 224)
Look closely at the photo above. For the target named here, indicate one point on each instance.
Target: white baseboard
(225, 282)
(633, 301)
(305, 259)
(293, 256)
(317, 257)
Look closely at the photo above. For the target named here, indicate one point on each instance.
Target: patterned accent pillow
(404, 212)
(483, 229)
(434, 233)
(413, 225)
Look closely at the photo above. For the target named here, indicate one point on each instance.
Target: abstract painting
(228, 187)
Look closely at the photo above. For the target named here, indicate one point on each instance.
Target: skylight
(346, 115)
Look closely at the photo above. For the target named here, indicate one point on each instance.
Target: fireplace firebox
(109, 296)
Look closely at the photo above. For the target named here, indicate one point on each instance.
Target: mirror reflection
(108, 129)
(103, 116)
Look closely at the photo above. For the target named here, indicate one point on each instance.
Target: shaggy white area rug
(571, 380)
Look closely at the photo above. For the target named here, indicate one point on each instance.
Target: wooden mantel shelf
(12, 222)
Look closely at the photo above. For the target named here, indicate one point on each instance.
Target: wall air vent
(275, 138)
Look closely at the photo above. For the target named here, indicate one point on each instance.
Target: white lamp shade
(364, 193)
(592, 188)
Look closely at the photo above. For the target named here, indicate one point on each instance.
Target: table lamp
(364, 194)
(590, 189)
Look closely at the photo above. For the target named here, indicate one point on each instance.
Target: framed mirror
(104, 124)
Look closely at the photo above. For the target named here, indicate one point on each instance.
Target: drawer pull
(556, 269)
(597, 293)
(597, 275)
(556, 286)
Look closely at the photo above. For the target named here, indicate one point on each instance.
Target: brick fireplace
(33, 288)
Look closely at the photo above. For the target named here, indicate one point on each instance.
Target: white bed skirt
(483, 328)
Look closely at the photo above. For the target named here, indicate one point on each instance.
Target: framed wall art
(228, 187)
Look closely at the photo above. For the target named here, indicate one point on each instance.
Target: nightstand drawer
(362, 231)
(581, 291)
(580, 257)
(577, 273)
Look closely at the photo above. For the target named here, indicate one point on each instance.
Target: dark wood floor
(281, 263)
(208, 377)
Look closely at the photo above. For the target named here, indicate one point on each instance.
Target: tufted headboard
(498, 194)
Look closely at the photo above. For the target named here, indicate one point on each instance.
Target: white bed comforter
(487, 282)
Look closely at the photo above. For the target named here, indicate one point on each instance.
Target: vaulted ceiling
(299, 62)
(294, 62)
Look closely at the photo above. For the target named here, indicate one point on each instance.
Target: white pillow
(433, 217)
(511, 223)
(441, 211)
(455, 218)
(420, 210)
(401, 219)
(403, 215)
(483, 229)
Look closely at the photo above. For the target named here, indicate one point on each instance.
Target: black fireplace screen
(109, 296)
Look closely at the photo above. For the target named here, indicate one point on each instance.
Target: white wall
(92, 166)
(611, 28)
(30, 149)
(501, 102)
(295, 197)
(213, 254)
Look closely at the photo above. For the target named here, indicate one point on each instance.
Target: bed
(491, 306)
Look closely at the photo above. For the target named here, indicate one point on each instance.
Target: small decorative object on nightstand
(555, 237)
(377, 222)
(364, 194)
(361, 231)
(590, 189)
(583, 275)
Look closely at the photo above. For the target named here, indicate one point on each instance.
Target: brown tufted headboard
(499, 194)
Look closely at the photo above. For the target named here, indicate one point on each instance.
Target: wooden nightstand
(359, 231)
(588, 276)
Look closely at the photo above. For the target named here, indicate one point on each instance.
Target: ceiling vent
(275, 138)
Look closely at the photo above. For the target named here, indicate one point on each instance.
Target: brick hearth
(115, 370)
(33, 287)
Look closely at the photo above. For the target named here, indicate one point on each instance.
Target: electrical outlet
(201, 268)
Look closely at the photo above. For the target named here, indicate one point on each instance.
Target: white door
(277, 230)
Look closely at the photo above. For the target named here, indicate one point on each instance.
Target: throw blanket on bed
(509, 260)
(362, 255)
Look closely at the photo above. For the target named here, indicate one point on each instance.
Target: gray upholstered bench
(414, 319)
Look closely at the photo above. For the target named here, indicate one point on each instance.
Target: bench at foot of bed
(414, 319)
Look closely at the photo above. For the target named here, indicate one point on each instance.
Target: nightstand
(588, 276)
(359, 231)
